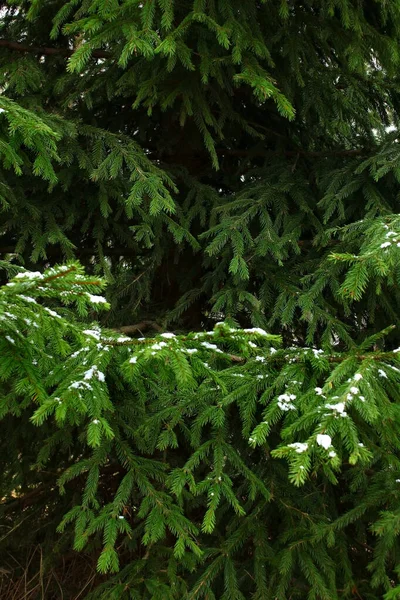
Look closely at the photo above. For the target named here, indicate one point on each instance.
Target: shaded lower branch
(54, 251)
(46, 51)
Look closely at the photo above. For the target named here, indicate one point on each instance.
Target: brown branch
(18, 47)
(139, 327)
(58, 275)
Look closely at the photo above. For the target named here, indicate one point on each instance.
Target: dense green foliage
(206, 161)
(166, 453)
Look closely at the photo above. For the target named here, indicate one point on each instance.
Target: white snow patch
(339, 407)
(93, 333)
(96, 299)
(28, 299)
(299, 447)
(52, 312)
(256, 330)
(209, 346)
(29, 275)
(324, 440)
(284, 402)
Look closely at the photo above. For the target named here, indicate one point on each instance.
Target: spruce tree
(224, 423)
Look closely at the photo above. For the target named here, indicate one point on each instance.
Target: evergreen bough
(166, 451)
